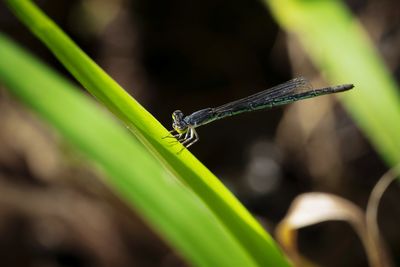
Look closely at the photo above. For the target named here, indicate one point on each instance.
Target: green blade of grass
(340, 48)
(175, 212)
(237, 220)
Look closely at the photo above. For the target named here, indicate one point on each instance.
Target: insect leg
(171, 135)
(196, 138)
(189, 136)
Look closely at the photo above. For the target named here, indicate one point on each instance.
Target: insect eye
(177, 115)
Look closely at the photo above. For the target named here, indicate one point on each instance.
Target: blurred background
(190, 55)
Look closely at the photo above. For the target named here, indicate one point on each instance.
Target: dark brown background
(189, 55)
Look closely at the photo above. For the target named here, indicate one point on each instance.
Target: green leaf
(173, 211)
(340, 48)
(231, 213)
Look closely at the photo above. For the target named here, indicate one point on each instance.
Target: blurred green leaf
(339, 47)
(173, 211)
(235, 218)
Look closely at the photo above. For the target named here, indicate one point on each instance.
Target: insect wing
(266, 97)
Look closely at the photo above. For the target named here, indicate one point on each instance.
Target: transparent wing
(267, 98)
(285, 93)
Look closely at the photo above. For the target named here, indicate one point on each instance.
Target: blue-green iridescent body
(288, 92)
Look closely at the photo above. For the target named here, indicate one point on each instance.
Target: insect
(184, 127)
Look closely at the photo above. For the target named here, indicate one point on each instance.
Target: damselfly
(285, 93)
